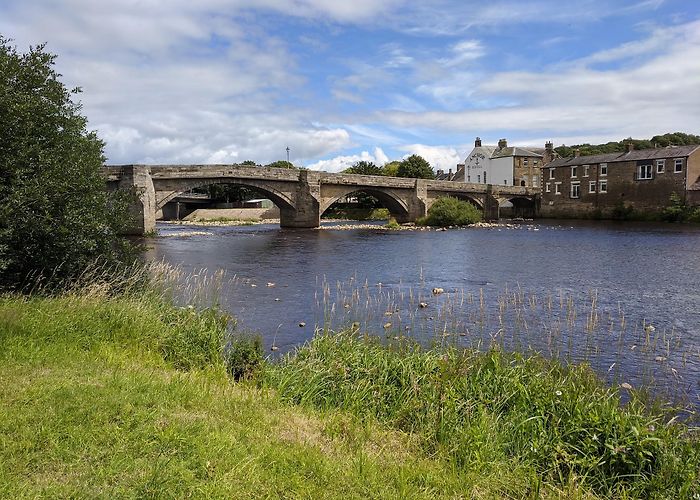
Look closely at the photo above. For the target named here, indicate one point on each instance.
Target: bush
(448, 211)
(392, 224)
(56, 216)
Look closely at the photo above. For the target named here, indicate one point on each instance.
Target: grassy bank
(130, 396)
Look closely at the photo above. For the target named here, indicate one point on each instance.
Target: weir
(301, 195)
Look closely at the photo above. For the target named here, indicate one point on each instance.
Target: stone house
(595, 185)
(504, 165)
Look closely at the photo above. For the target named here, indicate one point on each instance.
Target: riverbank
(129, 396)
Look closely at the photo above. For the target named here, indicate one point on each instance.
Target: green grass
(124, 395)
(93, 404)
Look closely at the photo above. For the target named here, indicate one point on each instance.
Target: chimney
(449, 172)
(577, 153)
(548, 146)
(629, 146)
(502, 144)
(477, 142)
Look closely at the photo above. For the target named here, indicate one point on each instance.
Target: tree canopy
(415, 167)
(56, 216)
(364, 168)
(281, 164)
(390, 169)
(658, 141)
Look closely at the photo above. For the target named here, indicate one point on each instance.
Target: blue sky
(222, 81)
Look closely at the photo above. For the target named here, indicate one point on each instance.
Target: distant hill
(659, 141)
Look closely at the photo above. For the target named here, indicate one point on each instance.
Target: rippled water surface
(624, 297)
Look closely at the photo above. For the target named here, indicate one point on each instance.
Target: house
(643, 179)
(504, 165)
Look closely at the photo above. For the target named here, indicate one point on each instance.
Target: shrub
(243, 356)
(56, 216)
(392, 224)
(448, 211)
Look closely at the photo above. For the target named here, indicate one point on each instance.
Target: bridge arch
(517, 206)
(397, 206)
(280, 199)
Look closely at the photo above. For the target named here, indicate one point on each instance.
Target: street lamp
(287, 154)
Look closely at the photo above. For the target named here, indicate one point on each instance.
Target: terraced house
(643, 179)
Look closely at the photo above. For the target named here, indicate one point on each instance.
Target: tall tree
(415, 167)
(56, 216)
(390, 169)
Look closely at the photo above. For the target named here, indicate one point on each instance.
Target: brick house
(643, 179)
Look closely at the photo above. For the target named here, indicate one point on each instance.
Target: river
(623, 297)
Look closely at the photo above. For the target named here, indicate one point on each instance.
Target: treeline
(658, 141)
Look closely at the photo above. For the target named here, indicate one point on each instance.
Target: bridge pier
(142, 211)
(491, 205)
(308, 211)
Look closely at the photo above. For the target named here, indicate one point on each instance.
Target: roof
(634, 155)
(514, 151)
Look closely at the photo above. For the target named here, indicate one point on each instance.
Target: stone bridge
(302, 195)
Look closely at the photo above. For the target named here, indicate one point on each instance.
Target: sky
(223, 81)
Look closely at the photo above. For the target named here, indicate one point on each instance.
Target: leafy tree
(662, 141)
(448, 211)
(281, 164)
(249, 163)
(364, 168)
(56, 216)
(415, 167)
(390, 169)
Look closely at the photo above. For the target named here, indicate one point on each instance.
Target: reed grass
(535, 420)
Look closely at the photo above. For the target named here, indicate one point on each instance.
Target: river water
(623, 297)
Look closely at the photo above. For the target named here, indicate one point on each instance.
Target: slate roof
(634, 155)
(514, 151)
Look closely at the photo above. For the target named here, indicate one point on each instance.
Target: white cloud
(340, 163)
(439, 157)
(656, 95)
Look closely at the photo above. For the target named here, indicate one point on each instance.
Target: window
(573, 172)
(535, 180)
(591, 187)
(603, 169)
(603, 187)
(534, 162)
(575, 189)
(525, 162)
(660, 166)
(478, 178)
(557, 188)
(586, 168)
(678, 166)
(551, 173)
(644, 172)
(548, 188)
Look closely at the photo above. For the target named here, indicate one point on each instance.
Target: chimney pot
(502, 144)
(477, 142)
(548, 146)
